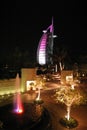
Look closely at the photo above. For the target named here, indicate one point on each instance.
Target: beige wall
(65, 73)
(26, 75)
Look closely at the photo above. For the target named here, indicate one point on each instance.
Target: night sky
(22, 23)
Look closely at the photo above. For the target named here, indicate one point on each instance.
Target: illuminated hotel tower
(45, 47)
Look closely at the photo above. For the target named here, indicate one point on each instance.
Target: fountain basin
(28, 120)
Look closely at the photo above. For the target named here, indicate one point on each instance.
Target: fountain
(22, 115)
(17, 102)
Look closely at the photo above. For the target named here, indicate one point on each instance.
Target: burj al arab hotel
(45, 47)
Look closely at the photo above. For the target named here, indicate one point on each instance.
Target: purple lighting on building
(45, 47)
(42, 50)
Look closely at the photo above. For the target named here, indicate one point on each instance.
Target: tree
(40, 83)
(68, 96)
(61, 56)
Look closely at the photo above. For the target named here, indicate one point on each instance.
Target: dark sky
(22, 22)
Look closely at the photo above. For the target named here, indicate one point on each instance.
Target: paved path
(58, 111)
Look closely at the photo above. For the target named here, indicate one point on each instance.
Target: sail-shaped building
(45, 47)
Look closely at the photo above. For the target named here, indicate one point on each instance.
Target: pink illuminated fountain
(17, 102)
(19, 115)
